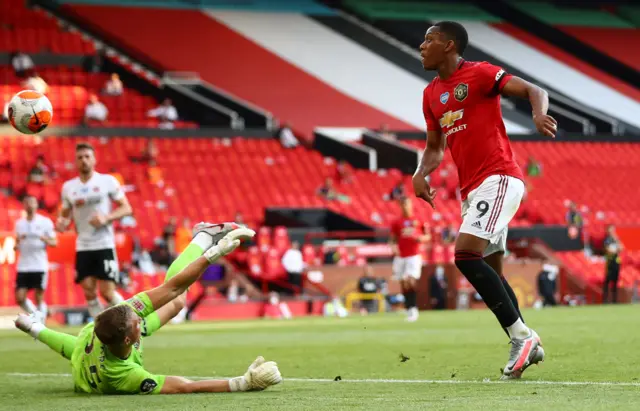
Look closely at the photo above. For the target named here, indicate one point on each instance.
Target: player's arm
(49, 237)
(431, 159)
(123, 209)
(426, 235)
(539, 99)
(64, 216)
(432, 156)
(393, 243)
(178, 284)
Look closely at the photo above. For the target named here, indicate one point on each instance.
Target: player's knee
(467, 260)
(89, 293)
(20, 298)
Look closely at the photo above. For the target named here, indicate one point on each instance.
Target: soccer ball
(30, 112)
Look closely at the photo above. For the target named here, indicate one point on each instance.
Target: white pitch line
(392, 381)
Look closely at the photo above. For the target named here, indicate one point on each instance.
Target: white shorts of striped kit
(488, 209)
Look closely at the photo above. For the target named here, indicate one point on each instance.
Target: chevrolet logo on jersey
(450, 117)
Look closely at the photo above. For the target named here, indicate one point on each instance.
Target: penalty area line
(390, 381)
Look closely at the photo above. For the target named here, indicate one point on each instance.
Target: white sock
(232, 293)
(28, 306)
(36, 328)
(238, 384)
(518, 330)
(202, 240)
(95, 307)
(116, 299)
(44, 310)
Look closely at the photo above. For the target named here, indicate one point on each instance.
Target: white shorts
(405, 267)
(488, 209)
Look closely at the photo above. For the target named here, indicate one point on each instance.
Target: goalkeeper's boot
(524, 352)
(216, 230)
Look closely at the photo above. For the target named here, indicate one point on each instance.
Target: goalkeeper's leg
(205, 235)
(61, 343)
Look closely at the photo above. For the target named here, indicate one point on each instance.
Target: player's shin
(28, 306)
(488, 284)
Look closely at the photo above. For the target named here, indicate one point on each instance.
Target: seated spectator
(166, 113)
(95, 111)
(343, 173)
(449, 234)
(155, 173)
(169, 234)
(39, 171)
(113, 86)
(328, 192)
(36, 83)
(573, 217)
(22, 64)
(368, 285)
(385, 133)
(534, 168)
(287, 138)
(397, 192)
(160, 254)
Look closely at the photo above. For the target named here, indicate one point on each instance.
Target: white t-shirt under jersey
(87, 199)
(33, 251)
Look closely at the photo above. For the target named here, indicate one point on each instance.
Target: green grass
(463, 351)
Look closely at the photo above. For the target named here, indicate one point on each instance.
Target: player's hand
(423, 190)
(62, 224)
(98, 220)
(546, 125)
(228, 243)
(261, 374)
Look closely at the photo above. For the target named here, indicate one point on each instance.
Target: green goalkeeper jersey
(96, 370)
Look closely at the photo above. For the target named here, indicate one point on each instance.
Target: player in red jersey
(407, 233)
(462, 110)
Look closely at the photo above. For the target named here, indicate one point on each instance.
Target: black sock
(410, 298)
(488, 284)
(513, 298)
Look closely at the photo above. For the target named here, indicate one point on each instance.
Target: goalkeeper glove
(228, 243)
(259, 376)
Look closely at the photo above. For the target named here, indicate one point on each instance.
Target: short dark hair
(456, 32)
(84, 146)
(112, 325)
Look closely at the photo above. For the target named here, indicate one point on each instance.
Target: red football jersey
(466, 108)
(407, 231)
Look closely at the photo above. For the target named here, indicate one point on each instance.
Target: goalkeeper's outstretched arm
(259, 376)
(178, 284)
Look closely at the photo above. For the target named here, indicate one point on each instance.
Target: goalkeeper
(106, 357)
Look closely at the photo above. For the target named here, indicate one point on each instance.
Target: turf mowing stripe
(389, 381)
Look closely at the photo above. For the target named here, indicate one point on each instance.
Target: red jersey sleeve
(429, 118)
(493, 79)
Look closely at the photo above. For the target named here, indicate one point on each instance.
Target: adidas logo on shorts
(477, 225)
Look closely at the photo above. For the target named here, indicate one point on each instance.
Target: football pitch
(445, 361)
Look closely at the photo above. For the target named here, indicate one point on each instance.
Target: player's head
(118, 326)
(85, 158)
(611, 229)
(443, 39)
(30, 204)
(406, 206)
